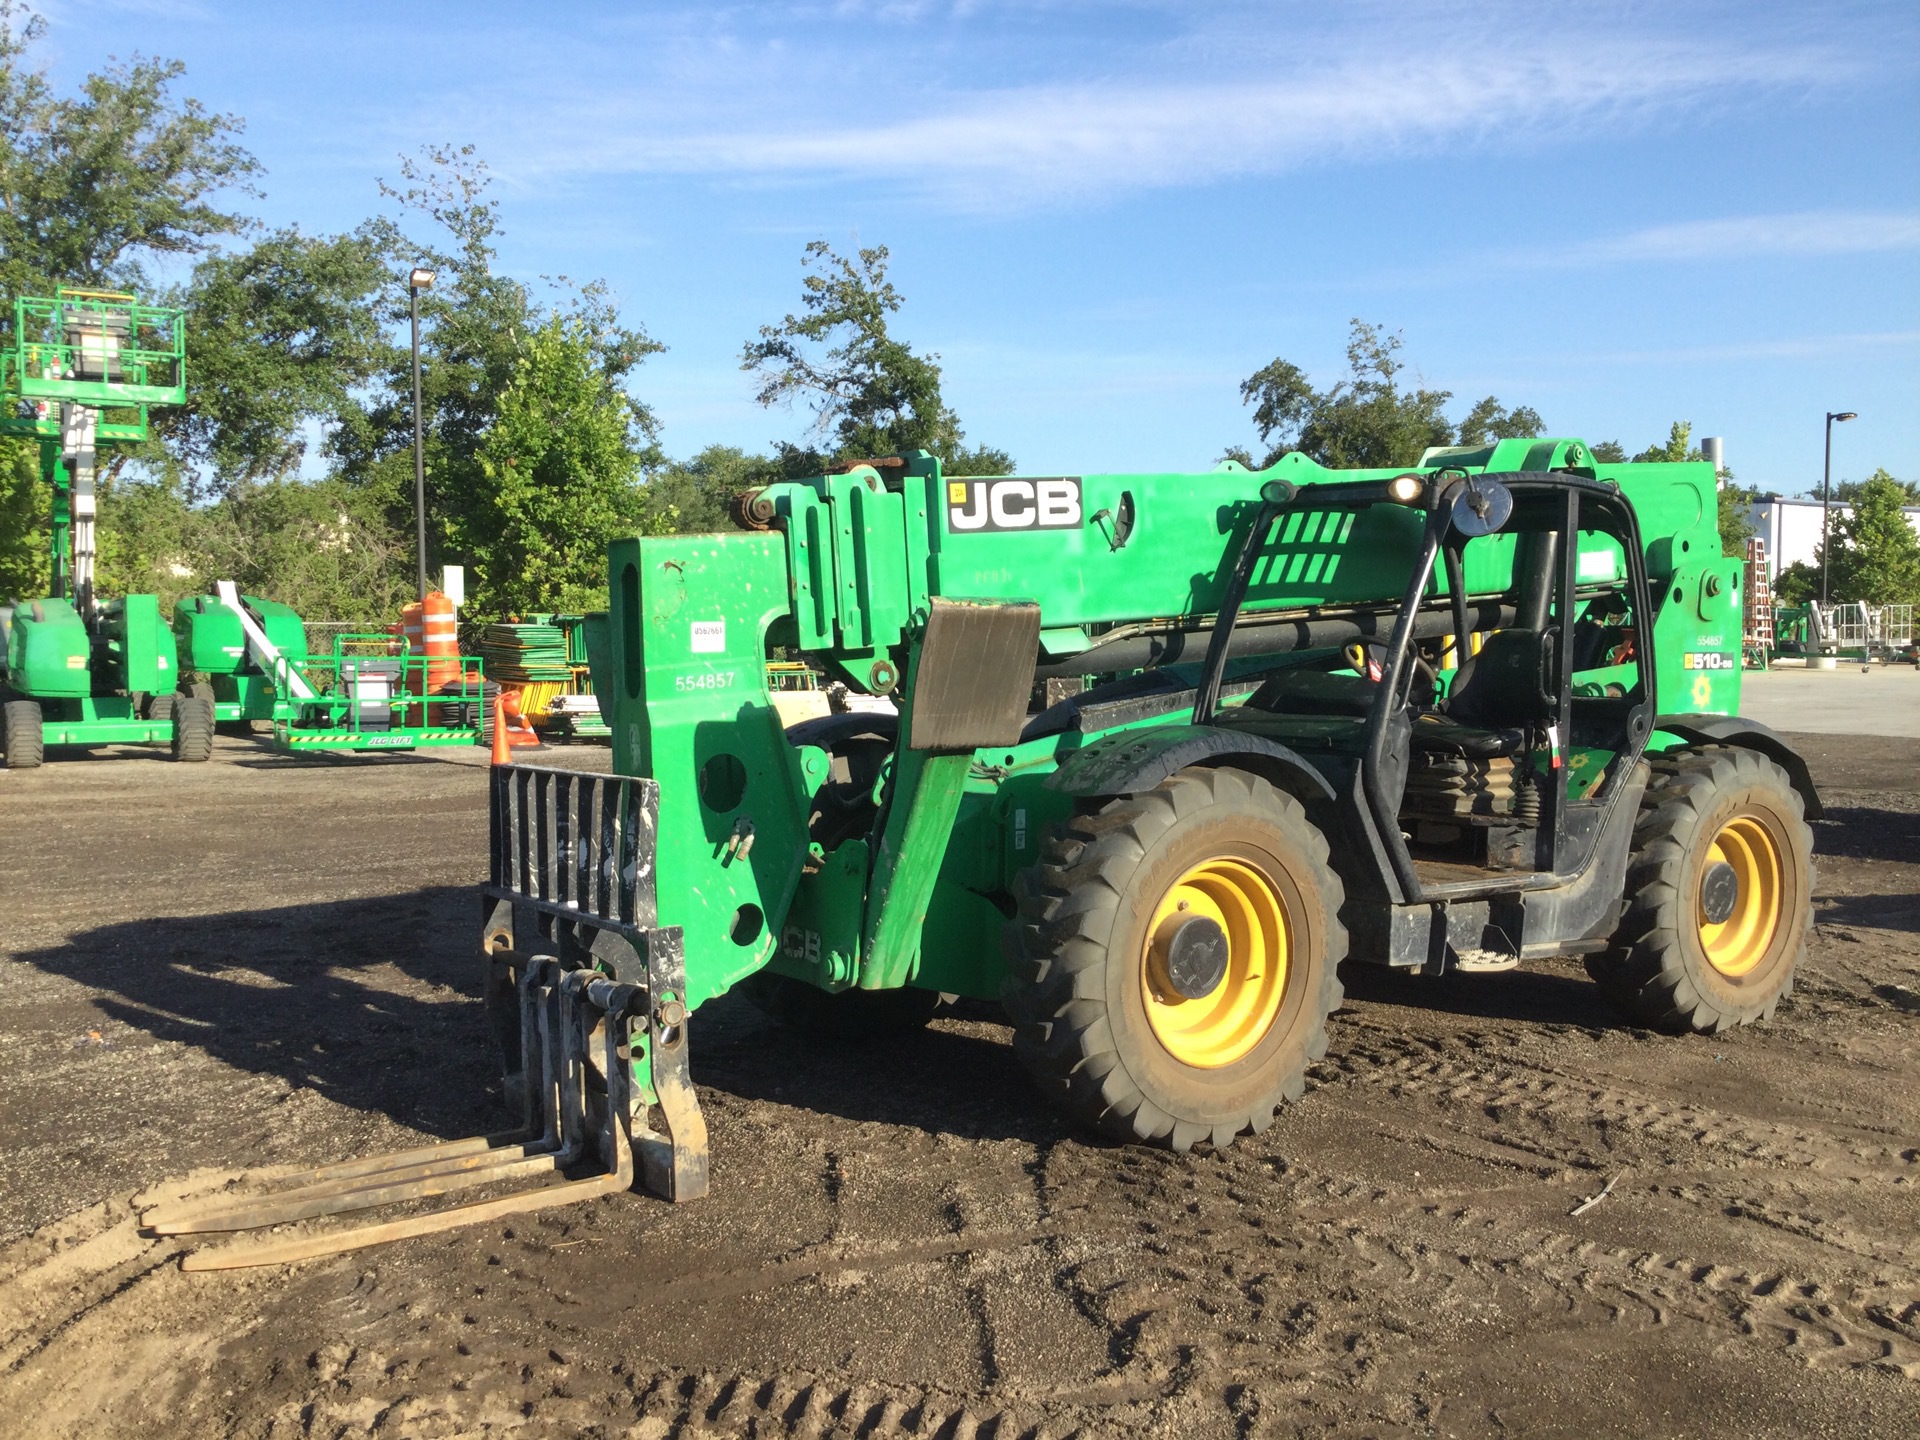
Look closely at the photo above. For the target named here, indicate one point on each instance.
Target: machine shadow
(1531, 996)
(1861, 833)
(372, 1002)
(953, 1079)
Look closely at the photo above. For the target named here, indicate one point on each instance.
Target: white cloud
(1295, 96)
(1793, 348)
(1745, 237)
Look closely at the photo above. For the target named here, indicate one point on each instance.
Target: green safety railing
(40, 418)
(97, 347)
(364, 686)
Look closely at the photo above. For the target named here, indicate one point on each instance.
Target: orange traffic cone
(520, 730)
(502, 749)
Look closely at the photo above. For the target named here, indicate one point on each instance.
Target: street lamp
(416, 282)
(1826, 502)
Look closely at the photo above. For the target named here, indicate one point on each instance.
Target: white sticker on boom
(709, 637)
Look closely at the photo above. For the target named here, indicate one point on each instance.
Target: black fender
(1748, 735)
(1129, 761)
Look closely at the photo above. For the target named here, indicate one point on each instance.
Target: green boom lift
(81, 371)
(1167, 750)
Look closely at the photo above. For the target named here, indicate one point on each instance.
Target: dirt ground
(264, 961)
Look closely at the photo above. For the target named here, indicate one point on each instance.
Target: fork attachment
(598, 1031)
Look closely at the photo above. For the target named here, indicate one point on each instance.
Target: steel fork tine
(616, 1147)
(568, 1015)
(478, 1156)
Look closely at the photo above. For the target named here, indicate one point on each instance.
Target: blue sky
(1104, 216)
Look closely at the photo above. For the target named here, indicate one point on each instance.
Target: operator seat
(1495, 697)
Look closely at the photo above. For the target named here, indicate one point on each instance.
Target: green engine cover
(136, 651)
(47, 651)
(212, 642)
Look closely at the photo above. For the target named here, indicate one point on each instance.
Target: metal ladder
(1757, 613)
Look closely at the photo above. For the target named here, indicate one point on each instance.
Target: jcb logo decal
(1051, 503)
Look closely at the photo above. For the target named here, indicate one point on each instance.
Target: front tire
(1175, 958)
(1719, 895)
(25, 737)
(192, 728)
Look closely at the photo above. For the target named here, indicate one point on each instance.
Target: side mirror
(1481, 506)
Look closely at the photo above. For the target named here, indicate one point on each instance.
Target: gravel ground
(266, 962)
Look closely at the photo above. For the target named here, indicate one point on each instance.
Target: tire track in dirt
(1436, 1071)
(1458, 1255)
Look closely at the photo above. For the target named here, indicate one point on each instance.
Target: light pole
(416, 282)
(1826, 501)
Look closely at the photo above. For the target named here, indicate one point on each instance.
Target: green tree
(533, 444)
(282, 333)
(1367, 420)
(1489, 421)
(1875, 554)
(1847, 490)
(324, 547)
(1796, 584)
(692, 496)
(560, 476)
(26, 511)
(148, 538)
(94, 186)
(870, 394)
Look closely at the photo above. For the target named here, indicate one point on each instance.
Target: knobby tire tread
(1646, 972)
(1055, 991)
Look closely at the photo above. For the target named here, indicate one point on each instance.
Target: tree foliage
(26, 511)
(1848, 490)
(323, 547)
(1796, 584)
(94, 186)
(287, 331)
(559, 478)
(534, 447)
(1875, 553)
(870, 394)
(1370, 419)
(692, 496)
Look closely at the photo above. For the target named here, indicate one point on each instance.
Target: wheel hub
(1196, 956)
(1741, 894)
(1719, 892)
(1215, 963)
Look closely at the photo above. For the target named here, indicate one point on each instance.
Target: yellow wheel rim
(1227, 1022)
(1737, 944)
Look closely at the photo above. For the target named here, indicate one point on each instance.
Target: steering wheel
(1369, 658)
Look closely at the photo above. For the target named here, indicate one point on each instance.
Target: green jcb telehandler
(1166, 750)
(76, 669)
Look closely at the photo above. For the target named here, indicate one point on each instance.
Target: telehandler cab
(1168, 749)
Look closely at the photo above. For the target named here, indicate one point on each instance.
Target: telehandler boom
(1167, 750)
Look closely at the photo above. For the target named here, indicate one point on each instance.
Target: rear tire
(192, 728)
(1099, 1017)
(160, 707)
(25, 737)
(848, 1016)
(1671, 967)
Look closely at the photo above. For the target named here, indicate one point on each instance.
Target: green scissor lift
(363, 696)
(79, 372)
